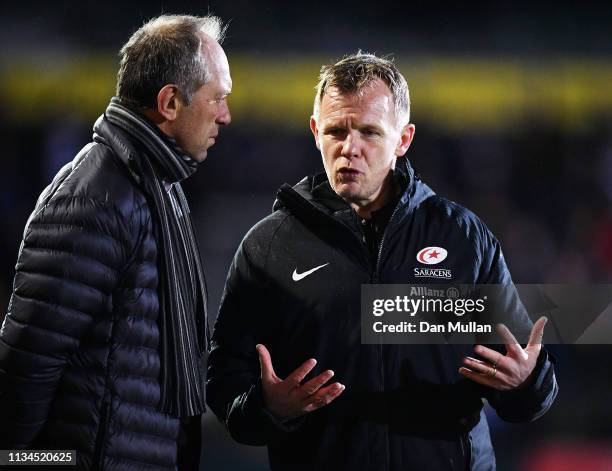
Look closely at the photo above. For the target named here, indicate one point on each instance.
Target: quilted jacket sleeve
(69, 263)
(537, 394)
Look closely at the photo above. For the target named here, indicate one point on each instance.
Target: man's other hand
(289, 398)
(510, 371)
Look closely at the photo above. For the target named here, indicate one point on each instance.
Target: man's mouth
(348, 174)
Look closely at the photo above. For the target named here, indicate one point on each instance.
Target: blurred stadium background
(512, 103)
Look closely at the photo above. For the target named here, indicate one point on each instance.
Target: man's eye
(370, 132)
(218, 100)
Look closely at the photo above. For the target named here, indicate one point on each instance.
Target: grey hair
(356, 72)
(166, 50)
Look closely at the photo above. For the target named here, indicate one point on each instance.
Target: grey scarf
(160, 165)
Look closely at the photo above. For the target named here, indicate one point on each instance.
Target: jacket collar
(315, 194)
(121, 144)
(129, 133)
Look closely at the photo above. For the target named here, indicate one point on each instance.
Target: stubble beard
(357, 196)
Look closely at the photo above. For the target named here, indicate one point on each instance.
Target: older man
(292, 300)
(101, 349)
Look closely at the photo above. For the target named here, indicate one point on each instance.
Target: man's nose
(351, 147)
(224, 117)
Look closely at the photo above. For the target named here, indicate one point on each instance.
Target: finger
(312, 386)
(296, 377)
(265, 362)
(484, 368)
(537, 332)
(480, 378)
(492, 356)
(510, 341)
(324, 397)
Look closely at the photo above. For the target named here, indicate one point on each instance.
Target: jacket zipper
(382, 242)
(374, 279)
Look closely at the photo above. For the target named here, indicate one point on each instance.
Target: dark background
(512, 104)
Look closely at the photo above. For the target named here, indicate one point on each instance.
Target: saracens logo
(431, 255)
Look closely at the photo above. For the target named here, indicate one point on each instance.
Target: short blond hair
(356, 72)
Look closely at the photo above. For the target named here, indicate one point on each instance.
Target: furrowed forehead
(372, 104)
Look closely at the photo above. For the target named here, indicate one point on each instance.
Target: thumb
(265, 362)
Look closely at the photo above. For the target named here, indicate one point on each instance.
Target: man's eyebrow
(373, 127)
(333, 130)
(332, 125)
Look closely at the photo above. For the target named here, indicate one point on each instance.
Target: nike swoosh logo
(299, 276)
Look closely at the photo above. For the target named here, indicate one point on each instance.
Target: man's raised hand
(288, 398)
(506, 372)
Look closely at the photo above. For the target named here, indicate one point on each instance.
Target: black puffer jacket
(79, 360)
(405, 407)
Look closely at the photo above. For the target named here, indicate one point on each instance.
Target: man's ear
(169, 102)
(405, 139)
(315, 131)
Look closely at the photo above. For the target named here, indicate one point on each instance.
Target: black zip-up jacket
(405, 407)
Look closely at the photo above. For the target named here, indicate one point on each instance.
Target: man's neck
(158, 120)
